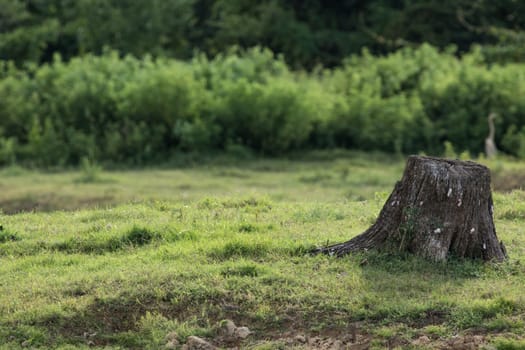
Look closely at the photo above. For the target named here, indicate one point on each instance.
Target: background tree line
(134, 82)
(306, 32)
(116, 109)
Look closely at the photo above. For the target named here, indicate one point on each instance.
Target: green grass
(181, 250)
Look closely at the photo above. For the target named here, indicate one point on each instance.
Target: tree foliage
(139, 81)
(307, 33)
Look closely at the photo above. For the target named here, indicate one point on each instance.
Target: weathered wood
(440, 208)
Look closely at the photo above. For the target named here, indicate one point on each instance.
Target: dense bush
(114, 109)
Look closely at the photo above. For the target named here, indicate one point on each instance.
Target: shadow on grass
(136, 237)
(417, 292)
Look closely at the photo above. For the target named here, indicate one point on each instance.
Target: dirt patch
(51, 202)
(347, 341)
(508, 180)
(431, 317)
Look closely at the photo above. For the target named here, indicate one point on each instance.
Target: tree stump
(440, 208)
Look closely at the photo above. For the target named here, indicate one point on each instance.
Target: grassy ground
(123, 259)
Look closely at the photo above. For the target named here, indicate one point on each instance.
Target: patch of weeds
(240, 249)
(301, 250)
(196, 295)
(208, 203)
(251, 202)
(247, 202)
(380, 197)
(474, 315)
(6, 236)
(406, 229)
(509, 344)
(242, 271)
(77, 289)
(90, 171)
(246, 227)
(339, 215)
(368, 219)
(436, 330)
(30, 336)
(465, 268)
(395, 262)
(278, 281)
(139, 236)
(175, 236)
(312, 215)
(163, 206)
(386, 332)
(89, 245)
(127, 339)
(503, 323)
(155, 326)
(506, 268)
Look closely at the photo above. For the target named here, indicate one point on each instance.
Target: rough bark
(440, 208)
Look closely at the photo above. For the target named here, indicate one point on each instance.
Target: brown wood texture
(440, 208)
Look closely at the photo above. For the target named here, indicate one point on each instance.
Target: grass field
(144, 259)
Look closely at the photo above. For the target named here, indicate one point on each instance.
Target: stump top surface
(446, 169)
(446, 161)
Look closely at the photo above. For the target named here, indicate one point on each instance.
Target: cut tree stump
(440, 208)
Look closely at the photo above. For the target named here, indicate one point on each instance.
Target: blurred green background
(146, 82)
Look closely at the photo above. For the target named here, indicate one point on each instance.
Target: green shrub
(114, 109)
(271, 117)
(164, 99)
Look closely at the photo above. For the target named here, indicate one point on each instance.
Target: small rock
(314, 341)
(477, 339)
(242, 332)
(228, 327)
(89, 335)
(358, 346)
(232, 333)
(171, 336)
(196, 343)
(300, 338)
(337, 345)
(423, 340)
(327, 344)
(172, 340)
(171, 345)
